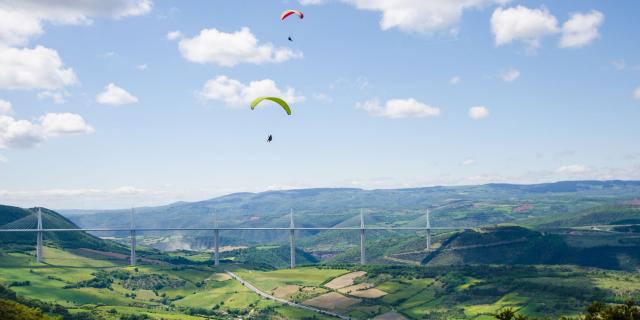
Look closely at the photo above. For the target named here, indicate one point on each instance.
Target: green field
(201, 287)
(304, 276)
(190, 292)
(471, 274)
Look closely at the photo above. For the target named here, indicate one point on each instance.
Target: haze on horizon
(134, 102)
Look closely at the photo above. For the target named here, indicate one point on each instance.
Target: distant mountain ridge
(550, 187)
(464, 206)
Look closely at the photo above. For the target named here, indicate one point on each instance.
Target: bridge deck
(235, 228)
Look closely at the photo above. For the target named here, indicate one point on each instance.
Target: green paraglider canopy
(279, 101)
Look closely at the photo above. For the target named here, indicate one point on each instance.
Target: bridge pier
(132, 260)
(363, 257)
(216, 240)
(132, 234)
(428, 232)
(292, 243)
(216, 253)
(39, 252)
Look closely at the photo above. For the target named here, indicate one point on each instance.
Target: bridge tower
(363, 257)
(216, 240)
(292, 244)
(39, 252)
(428, 232)
(132, 232)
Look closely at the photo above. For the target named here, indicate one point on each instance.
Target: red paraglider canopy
(287, 13)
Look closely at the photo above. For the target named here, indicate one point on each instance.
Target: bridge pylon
(39, 252)
(292, 239)
(428, 232)
(363, 256)
(216, 241)
(132, 234)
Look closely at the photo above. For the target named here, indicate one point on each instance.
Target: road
(285, 302)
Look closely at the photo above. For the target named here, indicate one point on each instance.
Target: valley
(522, 255)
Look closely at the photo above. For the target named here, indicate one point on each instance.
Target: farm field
(109, 289)
(159, 292)
(470, 274)
(445, 293)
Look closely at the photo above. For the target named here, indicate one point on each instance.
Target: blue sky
(133, 102)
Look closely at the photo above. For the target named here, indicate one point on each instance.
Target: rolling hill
(458, 206)
(520, 246)
(14, 217)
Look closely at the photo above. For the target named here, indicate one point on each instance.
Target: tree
(11, 310)
(596, 311)
(599, 311)
(509, 314)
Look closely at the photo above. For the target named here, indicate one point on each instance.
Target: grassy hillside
(107, 290)
(464, 292)
(104, 290)
(275, 257)
(503, 245)
(14, 217)
(601, 215)
(478, 292)
(517, 245)
(12, 310)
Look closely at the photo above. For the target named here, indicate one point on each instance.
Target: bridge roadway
(590, 227)
(291, 229)
(234, 228)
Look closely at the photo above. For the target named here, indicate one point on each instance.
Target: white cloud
(455, 80)
(173, 35)
(636, 93)
(581, 29)
(25, 134)
(422, 16)
(5, 107)
(107, 196)
(124, 190)
(361, 83)
(37, 68)
(619, 64)
(17, 27)
(237, 94)
(322, 97)
(511, 75)
(22, 20)
(468, 162)
(3, 159)
(478, 112)
(142, 67)
(114, 95)
(573, 169)
(19, 133)
(68, 198)
(522, 24)
(56, 96)
(399, 108)
(230, 49)
(59, 124)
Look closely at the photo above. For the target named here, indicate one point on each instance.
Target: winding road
(285, 302)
